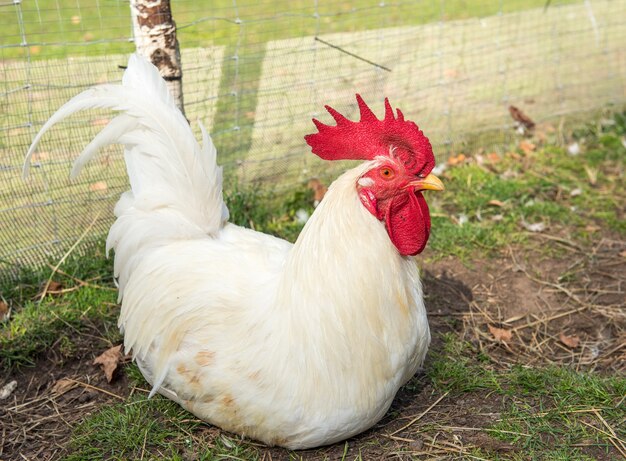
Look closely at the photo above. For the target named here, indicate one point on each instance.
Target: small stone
(8, 389)
(573, 149)
(417, 445)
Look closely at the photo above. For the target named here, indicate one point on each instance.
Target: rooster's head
(402, 160)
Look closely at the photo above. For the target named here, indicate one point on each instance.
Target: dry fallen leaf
(63, 385)
(527, 147)
(455, 160)
(319, 190)
(55, 287)
(109, 361)
(4, 311)
(52, 288)
(493, 157)
(495, 203)
(99, 186)
(521, 118)
(501, 334)
(569, 341)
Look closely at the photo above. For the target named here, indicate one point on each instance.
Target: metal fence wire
(256, 72)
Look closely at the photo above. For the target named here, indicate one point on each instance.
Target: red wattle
(408, 223)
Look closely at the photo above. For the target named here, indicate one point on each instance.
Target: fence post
(155, 38)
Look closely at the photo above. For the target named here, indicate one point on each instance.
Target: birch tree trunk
(155, 38)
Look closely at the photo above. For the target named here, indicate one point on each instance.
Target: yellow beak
(430, 182)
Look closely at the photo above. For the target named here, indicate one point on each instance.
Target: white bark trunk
(155, 38)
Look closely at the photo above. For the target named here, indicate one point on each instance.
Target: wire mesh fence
(255, 73)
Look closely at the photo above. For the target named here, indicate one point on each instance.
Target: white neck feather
(341, 248)
(349, 299)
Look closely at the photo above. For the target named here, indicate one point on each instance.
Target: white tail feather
(110, 134)
(176, 186)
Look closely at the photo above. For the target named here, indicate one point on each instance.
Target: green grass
(60, 28)
(39, 326)
(157, 426)
(534, 187)
(270, 213)
(547, 412)
(59, 321)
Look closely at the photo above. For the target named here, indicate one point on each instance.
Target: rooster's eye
(386, 173)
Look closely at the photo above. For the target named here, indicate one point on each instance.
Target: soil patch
(51, 398)
(562, 305)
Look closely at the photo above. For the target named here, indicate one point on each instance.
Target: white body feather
(295, 345)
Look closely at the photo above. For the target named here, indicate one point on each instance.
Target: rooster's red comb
(371, 137)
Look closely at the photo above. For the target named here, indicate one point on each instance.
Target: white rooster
(297, 345)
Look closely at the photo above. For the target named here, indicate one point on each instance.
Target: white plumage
(295, 345)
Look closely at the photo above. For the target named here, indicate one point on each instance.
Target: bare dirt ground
(533, 308)
(528, 306)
